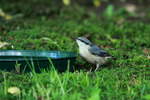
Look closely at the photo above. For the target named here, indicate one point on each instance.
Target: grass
(127, 78)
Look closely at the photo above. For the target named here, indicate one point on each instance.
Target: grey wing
(95, 50)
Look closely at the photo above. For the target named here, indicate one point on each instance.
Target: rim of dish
(34, 55)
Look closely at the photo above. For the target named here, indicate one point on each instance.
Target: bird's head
(82, 41)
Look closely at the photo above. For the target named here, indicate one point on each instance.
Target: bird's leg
(90, 69)
(97, 67)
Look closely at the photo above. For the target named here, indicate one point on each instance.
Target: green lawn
(41, 28)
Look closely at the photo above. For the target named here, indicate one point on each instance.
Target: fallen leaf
(14, 90)
(131, 8)
(4, 44)
(146, 51)
(134, 81)
(96, 3)
(120, 21)
(4, 15)
(66, 2)
(40, 98)
(148, 57)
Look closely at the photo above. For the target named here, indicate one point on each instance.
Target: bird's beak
(74, 38)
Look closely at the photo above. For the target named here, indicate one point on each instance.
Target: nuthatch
(91, 52)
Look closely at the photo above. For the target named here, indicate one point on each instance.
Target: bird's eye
(85, 41)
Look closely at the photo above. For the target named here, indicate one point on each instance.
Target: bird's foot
(97, 67)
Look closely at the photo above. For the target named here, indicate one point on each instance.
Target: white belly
(91, 58)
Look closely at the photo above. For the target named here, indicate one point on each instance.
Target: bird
(92, 53)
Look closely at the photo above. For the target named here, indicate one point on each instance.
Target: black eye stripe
(85, 42)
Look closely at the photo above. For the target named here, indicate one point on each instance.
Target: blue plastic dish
(28, 60)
